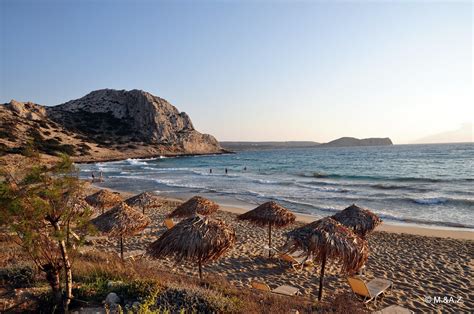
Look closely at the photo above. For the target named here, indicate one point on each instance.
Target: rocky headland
(103, 125)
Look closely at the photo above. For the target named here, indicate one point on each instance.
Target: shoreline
(91, 160)
(387, 227)
(438, 232)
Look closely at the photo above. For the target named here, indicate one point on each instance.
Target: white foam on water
(430, 201)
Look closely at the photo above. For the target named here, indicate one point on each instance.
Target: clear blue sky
(253, 70)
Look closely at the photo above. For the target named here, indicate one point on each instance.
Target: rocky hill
(352, 141)
(103, 125)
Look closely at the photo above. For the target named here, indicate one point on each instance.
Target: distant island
(240, 146)
(340, 142)
(352, 141)
(104, 125)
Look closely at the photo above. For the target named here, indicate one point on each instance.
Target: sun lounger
(169, 223)
(369, 291)
(267, 250)
(284, 289)
(394, 309)
(296, 261)
(133, 255)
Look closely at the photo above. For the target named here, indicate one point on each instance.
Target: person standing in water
(101, 178)
(93, 177)
(210, 170)
(225, 170)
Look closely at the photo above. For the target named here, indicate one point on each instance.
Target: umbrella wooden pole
(200, 270)
(321, 278)
(269, 240)
(67, 233)
(121, 248)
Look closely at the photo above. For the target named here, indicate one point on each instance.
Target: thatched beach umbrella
(271, 214)
(144, 201)
(104, 199)
(197, 239)
(327, 238)
(193, 206)
(361, 220)
(79, 208)
(121, 221)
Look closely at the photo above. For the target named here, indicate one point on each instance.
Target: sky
(255, 70)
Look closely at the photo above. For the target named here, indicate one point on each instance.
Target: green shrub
(139, 289)
(95, 287)
(50, 146)
(3, 149)
(45, 304)
(194, 300)
(21, 276)
(7, 130)
(5, 134)
(84, 149)
(43, 124)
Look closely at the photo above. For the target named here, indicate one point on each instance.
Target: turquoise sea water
(422, 184)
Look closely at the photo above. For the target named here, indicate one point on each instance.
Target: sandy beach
(423, 263)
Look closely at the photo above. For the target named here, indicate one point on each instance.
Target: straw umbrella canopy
(197, 239)
(79, 208)
(121, 221)
(361, 220)
(144, 200)
(271, 214)
(195, 205)
(104, 199)
(327, 238)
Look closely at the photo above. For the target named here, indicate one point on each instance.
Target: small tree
(42, 205)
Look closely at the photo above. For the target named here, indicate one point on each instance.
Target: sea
(431, 185)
